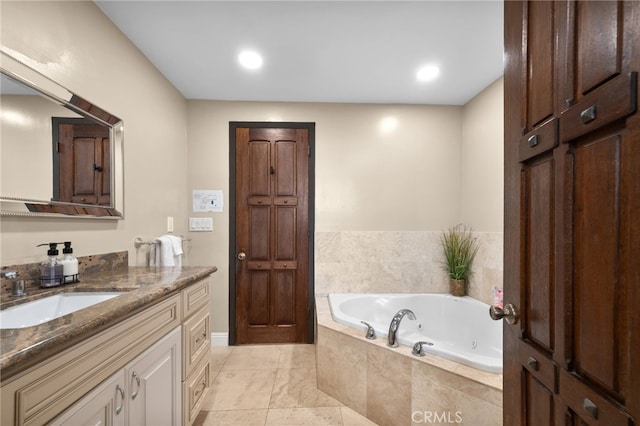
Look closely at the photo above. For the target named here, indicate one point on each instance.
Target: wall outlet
(169, 223)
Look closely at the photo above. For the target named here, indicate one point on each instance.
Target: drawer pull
(533, 363)
(590, 407)
(135, 377)
(588, 115)
(120, 391)
(533, 141)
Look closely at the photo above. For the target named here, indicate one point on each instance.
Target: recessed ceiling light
(427, 73)
(250, 60)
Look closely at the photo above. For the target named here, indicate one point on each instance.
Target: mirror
(60, 155)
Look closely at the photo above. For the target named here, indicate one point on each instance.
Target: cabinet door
(105, 405)
(154, 383)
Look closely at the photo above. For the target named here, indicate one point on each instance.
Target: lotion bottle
(51, 274)
(69, 264)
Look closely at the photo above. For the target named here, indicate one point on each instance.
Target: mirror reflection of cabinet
(61, 155)
(81, 158)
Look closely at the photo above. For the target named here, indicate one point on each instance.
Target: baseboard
(219, 339)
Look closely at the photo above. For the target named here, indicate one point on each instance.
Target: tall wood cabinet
(572, 221)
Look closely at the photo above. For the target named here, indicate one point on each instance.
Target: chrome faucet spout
(395, 323)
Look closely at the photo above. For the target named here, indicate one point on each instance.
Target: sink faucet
(17, 286)
(395, 323)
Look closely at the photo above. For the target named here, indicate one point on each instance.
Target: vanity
(142, 357)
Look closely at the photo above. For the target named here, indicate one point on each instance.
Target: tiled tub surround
(391, 386)
(144, 286)
(399, 262)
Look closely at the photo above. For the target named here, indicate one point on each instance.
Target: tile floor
(272, 385)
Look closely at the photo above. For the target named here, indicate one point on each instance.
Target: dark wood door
(272, 287)
(572, 227)
(83, 162)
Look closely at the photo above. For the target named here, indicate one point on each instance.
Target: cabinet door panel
(154, 383)
(105, 405)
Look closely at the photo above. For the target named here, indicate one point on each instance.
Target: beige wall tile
(388, 387)
(342, 368)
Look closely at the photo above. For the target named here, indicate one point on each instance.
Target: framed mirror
(61, 155)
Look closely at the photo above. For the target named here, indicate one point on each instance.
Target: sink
(42, 310)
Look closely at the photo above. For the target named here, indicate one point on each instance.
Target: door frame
(310, 127)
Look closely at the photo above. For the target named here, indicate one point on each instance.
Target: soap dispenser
(69, 264)
(51, 271)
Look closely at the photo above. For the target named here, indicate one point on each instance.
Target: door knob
(509, 313)
(242, 256)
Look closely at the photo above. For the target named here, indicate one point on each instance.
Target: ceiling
(319, 51)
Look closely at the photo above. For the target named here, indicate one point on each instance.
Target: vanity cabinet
(146, 392)
(196, 335)
(152, 368)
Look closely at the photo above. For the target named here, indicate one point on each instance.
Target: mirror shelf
(62, 156)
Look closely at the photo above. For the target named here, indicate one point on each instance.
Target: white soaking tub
(459, 328)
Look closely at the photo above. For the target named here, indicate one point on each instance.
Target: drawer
(613, 101)
(195, 297)
(589, 405)
(194, 390)
(196, 333)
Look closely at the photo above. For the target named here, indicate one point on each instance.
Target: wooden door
(572, 228)
(83, 163)
(272, 233)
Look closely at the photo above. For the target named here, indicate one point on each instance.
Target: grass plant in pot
(459, 247)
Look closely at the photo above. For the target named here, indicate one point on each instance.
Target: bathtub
(459, 328)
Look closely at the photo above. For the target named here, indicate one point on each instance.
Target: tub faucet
(395, 323)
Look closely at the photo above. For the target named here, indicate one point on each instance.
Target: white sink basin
(42, 310)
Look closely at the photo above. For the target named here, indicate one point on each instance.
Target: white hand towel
(166, 251)
(176, 246)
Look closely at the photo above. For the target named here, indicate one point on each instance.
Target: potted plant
(459, 247)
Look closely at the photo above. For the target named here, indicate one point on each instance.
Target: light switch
(169, 223)
(200, 224)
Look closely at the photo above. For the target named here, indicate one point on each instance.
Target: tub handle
(418, 348)
(371, 333)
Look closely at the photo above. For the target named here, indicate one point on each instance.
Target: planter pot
(457, 287)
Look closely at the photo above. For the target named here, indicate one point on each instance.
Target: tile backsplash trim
(399, 262)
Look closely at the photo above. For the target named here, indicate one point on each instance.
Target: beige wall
(367, 179)
(482, 160)
(74, 44)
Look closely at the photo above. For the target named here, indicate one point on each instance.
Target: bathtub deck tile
(388, 386)
(342, 368)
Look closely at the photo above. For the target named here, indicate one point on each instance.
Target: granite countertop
(21, 348)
